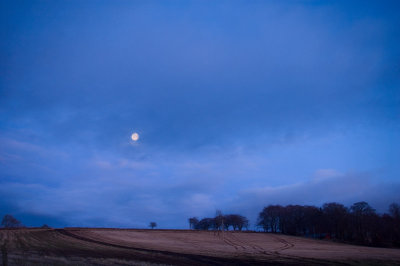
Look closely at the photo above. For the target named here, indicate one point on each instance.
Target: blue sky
(238, 104)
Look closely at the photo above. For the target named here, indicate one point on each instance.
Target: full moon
(135, 136)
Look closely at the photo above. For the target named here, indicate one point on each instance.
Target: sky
(238, 105)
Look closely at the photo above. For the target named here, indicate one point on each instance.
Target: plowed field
(78, 246)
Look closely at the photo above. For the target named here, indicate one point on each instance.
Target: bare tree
(152, 225)
(363, 222)
(205, 224)
(241, 222)
(269, 218)
(193, 222)
(10, 222)
(219, 220)
(336, 219)
(236, 221)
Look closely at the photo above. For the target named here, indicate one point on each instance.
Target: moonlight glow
(135, 136)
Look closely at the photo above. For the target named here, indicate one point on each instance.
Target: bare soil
(89, 246)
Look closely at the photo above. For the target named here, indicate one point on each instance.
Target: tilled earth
(89, 246)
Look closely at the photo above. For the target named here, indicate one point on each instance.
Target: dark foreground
(77, 246)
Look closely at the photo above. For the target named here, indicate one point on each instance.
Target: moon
(135, 136)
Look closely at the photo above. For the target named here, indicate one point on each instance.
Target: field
(88, 246)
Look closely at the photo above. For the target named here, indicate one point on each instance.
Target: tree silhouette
(335, 219)
(358, 224)
(152, 225)
(219, 220)
(193, 222)
(394, 211)
(205, 224)
(10, 222)
(363, 222)
(238, 222)
(270, 218)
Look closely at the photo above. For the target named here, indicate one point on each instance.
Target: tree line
(235, 222)
(358, 223)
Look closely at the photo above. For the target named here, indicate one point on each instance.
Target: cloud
(322, 174)
(170, 192)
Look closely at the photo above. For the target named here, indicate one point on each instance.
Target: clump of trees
(235, 222)
(358, 223)
(10, 222)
